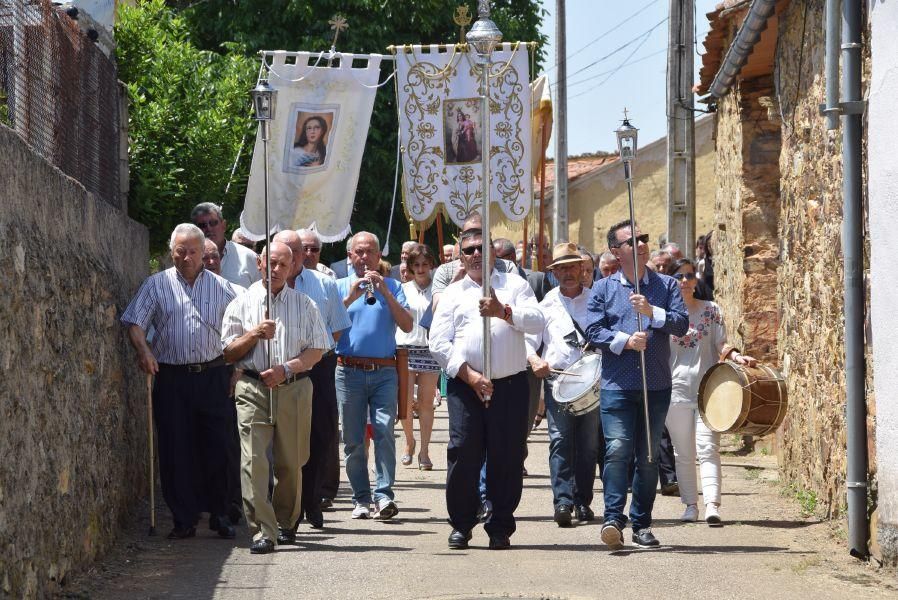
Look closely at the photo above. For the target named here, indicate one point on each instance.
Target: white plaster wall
(883, 219)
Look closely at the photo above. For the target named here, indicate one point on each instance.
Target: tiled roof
(576, 168)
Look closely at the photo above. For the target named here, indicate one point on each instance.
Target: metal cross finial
(338, 24)
(462, 18)
(625, 115)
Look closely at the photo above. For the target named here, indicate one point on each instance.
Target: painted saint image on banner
(463, 136)
(310, 130)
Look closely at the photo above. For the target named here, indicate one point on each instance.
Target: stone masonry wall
(72, 403)
(811, 340)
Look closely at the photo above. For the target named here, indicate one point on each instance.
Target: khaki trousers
(289, 437)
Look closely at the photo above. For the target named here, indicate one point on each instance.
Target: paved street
(767, 549)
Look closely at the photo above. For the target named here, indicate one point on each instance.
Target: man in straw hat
(573, 439)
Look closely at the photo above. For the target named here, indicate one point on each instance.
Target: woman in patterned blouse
(690, 357)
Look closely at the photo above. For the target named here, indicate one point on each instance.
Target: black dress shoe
(326, 504)
(262, 546)
(180, 533)
(563, 515)
(499, 542)
(459, 540)
(316, 519)
(225, 529)
(286, 536)
(584, 513)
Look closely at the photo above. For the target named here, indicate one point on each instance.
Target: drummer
(573, 439)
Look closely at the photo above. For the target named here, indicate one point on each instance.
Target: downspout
(748, 35)
(852, 107)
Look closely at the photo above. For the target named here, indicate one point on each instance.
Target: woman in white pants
(690, 357)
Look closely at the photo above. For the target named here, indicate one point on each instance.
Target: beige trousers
(290, 439)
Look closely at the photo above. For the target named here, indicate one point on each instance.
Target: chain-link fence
(60, 93)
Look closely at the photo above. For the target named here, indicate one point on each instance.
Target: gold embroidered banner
(440, 128)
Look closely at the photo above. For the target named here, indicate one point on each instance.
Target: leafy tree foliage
(373, 25)
(189, 110)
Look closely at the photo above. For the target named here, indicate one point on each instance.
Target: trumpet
(369, 292)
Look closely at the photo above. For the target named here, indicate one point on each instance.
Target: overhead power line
(632, 62)
(614, 71)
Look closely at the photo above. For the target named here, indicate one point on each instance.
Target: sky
(599, 85)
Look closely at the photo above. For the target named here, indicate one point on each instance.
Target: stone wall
(72, 403)
(811, 331)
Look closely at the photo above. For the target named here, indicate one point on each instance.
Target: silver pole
(483, 37)
(560, 195)
(265, 135)
(628, 177)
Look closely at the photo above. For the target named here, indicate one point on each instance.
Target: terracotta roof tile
(576, 168)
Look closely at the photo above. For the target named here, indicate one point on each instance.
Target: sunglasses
(208, 224)
(313, 249)
(644, 238)
(470, 250)
(682, 276)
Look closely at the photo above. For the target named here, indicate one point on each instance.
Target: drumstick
(559, 372)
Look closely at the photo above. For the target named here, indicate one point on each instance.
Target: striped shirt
(323, 291)
(298, 326)
(186, 319)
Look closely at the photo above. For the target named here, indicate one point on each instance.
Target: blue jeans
(573, 449)
(623, 422)
(360, 394)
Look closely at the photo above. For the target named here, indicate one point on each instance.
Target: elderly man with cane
(298, 339)
(615, 323)
(185, 305)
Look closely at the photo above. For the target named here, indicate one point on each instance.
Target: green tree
(189, 111)
(373, 25)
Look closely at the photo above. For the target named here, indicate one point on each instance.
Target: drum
(577, 390)
(738, 399)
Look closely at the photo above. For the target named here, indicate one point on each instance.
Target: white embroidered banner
(440, 127)
(315, 151)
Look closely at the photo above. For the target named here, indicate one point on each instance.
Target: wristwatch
(506, 316)
(287, 372)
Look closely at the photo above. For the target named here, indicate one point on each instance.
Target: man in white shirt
(487, 417)
(573, 439)
(238, 263)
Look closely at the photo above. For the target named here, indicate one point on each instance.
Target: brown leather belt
(364, 363)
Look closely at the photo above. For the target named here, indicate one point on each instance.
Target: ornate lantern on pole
(264, 104)
(483, 37)
(626, 147)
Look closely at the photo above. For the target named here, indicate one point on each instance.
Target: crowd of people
(264, 362)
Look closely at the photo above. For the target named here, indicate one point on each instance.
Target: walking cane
(152, 455)
(626, 145)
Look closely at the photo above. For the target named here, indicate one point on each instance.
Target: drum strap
(584, 344)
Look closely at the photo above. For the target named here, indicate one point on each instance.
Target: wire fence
(60, 93)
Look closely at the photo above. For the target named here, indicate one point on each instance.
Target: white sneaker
(386, 509)
(361, 511)
(712, 515)
(690, 515)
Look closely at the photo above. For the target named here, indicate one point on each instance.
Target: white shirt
(418, 302)
(238, 265)
(693, 354)
(456, 334)
(558, 311)
(298, 326)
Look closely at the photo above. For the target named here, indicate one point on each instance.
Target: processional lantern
(264, 101)
(626, 140)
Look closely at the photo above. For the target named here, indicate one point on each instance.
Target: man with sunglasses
(487, 417)
(311, 252)
(238, 263)
(612, 326)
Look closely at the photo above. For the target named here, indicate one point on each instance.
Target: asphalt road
(766, 549)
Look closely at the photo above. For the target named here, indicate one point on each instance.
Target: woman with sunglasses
(690, 357)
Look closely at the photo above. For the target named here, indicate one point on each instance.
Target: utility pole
(681, 127)
(559, 200)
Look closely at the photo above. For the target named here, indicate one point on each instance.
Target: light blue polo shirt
(373, 330)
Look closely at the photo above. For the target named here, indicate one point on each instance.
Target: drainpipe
(852, 107)
(831, 109)
(748, 35)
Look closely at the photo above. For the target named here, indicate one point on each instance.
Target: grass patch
(806, 499)
(753, 473)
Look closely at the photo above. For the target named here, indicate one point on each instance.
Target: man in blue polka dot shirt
(612, 327)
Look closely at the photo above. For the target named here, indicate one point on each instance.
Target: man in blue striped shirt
(185, 305)
(322, 289)
(612, 327)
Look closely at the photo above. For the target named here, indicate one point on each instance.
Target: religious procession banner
(440, 128)
(317, 140)
(541, 119)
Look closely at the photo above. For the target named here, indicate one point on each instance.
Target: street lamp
(626, 148)
(264, 104)
(483, 37)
